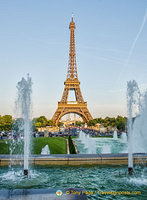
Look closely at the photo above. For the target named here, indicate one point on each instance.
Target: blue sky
(34, 39)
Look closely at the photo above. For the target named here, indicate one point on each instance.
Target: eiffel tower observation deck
(72, 83)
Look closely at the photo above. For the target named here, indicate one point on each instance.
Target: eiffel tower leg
(64, 108)
(65, 94)
(78, 94)
(87, 114)
(56, 116)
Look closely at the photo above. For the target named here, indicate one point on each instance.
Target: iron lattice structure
(72, 83)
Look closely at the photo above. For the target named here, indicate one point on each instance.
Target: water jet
(23, 110)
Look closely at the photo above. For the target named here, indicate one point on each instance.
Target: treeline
(119, 122)
(6, 122)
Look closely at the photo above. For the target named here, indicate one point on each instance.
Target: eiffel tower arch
(72, 83)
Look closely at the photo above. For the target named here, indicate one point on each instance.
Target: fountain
(115, 135)
(23, 107)
(106, 149)
(137, 122)
(88, 143)
(45, 150)
(99, 145)
(91, 146)
(124, 137)
(140, 127)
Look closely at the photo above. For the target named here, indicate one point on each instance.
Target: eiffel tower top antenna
(72, 66)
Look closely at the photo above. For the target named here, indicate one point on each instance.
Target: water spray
(23, 104)
(132, 96)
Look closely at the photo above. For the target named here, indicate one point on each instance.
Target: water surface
(96, 179)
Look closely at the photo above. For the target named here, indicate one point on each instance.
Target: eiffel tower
(72, 83)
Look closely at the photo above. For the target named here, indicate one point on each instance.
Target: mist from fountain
(106, 149)
(132, 101)
(124, 137)
(88, 142)
(23, 109)
(137, 121)
(91, 146)
(83, 138)
(115, 135)
(140, 127)
(45, 150)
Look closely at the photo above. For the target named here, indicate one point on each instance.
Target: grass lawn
(4, 148)
(56, 145)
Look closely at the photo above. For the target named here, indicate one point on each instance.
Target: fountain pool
(100, 144)
(95, 179)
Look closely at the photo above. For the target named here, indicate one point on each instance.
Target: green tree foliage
(119, 122)
(5, 123)
(92, 122)
(42, 122)
(50, 123)
(79, 123)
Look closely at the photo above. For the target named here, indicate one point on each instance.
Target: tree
(38, 124)
(43, 121)
(121, 123)
(50, 123)
(92, 122)
(79, 123)
(5, 123)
